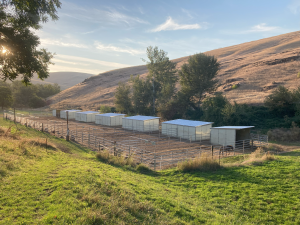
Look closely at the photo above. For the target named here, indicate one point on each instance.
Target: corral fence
(158, 152)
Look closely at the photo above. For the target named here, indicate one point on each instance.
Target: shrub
(205, 163)
(235, 86)
(105, 109)
(142, 168)
(298, 75)
(285, 134)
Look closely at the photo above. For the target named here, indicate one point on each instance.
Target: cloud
(58, 68)
(170, 24)
(101, 16)
(48, 41)
(294, 6)
(98, 62)
(262, 27)
(69, 62)
(188, 13)
(118, 49)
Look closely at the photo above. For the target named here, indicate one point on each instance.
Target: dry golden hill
(256, 67)
(64, 79)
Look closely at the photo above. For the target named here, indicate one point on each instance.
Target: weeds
(205, 163)
(258, 157)
(285, 134)
(104, 156)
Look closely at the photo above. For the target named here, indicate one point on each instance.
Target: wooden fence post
(243, 147)
(154, 161)
(212, 152)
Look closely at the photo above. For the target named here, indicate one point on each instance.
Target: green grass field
(66, 184)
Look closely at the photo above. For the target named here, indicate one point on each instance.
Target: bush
(143, 169)
(285, 134)
(235, 86)
(258, 157)
(105, 109)
(298, 75)
(205, 163)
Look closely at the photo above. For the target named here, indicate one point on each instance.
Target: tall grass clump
(106, 157)
(285, 134)
(205, 163)
(259, 156)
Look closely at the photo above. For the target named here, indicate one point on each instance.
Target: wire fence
(154, 149)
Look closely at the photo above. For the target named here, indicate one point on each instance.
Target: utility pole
(153, 97)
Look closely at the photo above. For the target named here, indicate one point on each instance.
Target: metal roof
(89, 112)
(111, 114)
(233, 127)
(189, 123)
(71, 110)
(138, 117)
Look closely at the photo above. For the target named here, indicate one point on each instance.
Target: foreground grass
(66, 184)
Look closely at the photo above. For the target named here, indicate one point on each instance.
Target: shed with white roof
(229, 135)
(71, 113)
(141, 123)
(87, 116)
(109, 119)
(187, 129)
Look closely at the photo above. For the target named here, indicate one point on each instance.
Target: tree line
(16, 94)
(195, 97)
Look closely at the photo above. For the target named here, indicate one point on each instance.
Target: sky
(94, 36)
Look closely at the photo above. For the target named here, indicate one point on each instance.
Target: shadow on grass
(292, 153)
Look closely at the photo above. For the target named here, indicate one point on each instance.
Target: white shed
(141, 123)
(187, 129)
(229, 135)
(87, 116)
(71, 112)
(56, 112)
(109, 119)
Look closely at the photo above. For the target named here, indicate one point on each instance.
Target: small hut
(230, 135)
(109, 119)
(87, 116)
(141, 123)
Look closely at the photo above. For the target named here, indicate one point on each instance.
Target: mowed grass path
(67, 185)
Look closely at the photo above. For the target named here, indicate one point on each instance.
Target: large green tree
(123, 98)
(19, 53)
(198, 77)
(162, 72)
(6, 98)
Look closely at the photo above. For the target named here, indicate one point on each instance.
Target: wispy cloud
(98, 62)
(188, 13)
(294, 6)
(61, 43)
(262, 27)
(112, 48)
(93, 15)
(170, 24)
(69, 62)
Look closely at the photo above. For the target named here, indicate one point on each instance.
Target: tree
(105, 109)
(123, 100)
(19, 53)
(142, 95)
(213, 108)
(47, 90)
(198, 77)
(282, 101)
(5, 97)
(162, 73)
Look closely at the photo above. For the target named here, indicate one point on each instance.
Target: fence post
(42, 127)
(212, 152)
(115, 154)
(154, 161)
(244, 147)
(259, 140)
(82, 137)
(160, 161)
(89, 139)
(219, 157)
(129, 151)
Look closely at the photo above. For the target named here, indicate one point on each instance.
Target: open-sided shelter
(229, 135)
(187, 129)
(109, 119)
(56, 112)
(141, 123)
(87, 116)
(71, 113)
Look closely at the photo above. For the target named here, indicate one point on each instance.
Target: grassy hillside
(256, 67)
(66, 184)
